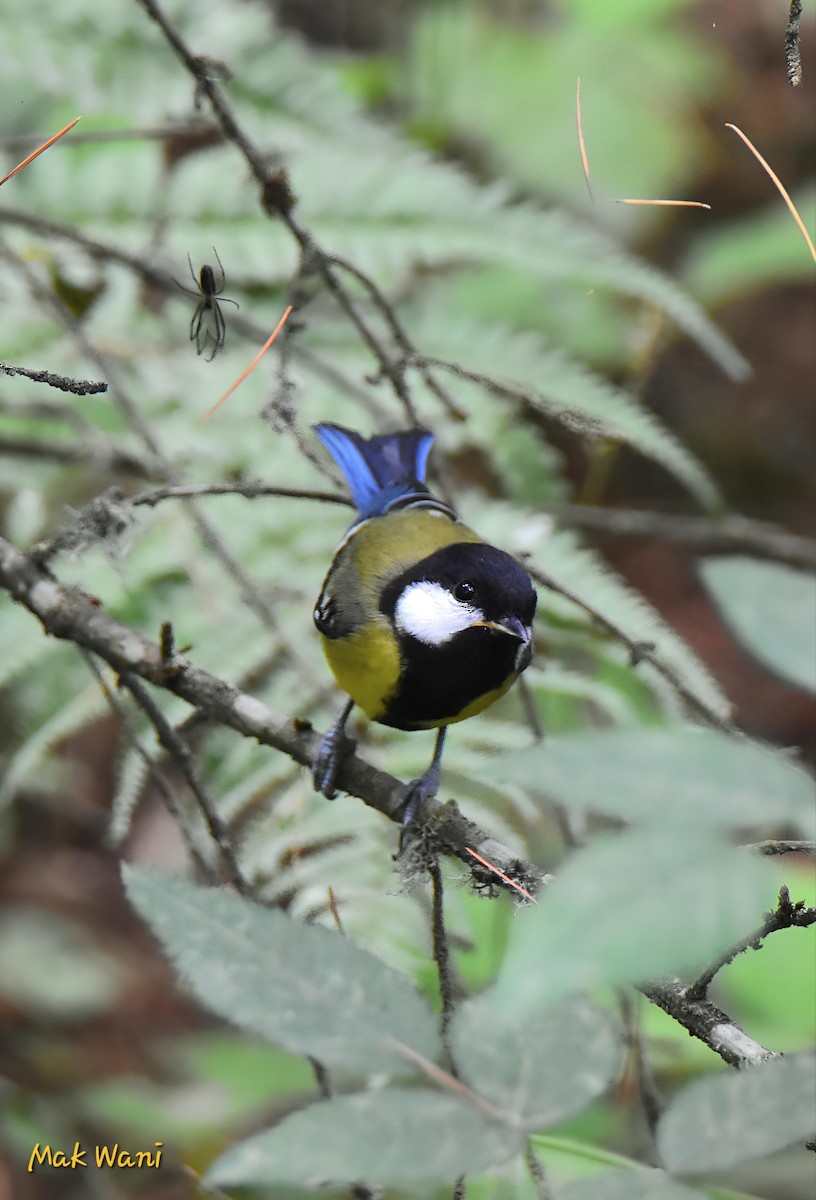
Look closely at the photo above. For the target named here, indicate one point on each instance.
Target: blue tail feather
(379, 470)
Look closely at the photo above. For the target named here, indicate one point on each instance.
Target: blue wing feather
(379, 470)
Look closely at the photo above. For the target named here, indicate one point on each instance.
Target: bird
(422, 623)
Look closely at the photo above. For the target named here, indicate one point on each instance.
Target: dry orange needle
(779, 186)
(39, 151)
(510, 882)
(251, 366)
(581, 142)
(669, 203)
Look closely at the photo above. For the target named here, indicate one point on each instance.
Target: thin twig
(651, 1100)
(785, 846)
(399, 333)
(639, 652)
(98, 251)
(184, 129)
(104, 457)
(724, 534)
(52, 304)
(133, 416)
(441, 953)
(79, 387)
(277, 200)
(156, 773)
(179, 753)
(793, 59)
(335, 912)
(537, 1173)
(787, 915)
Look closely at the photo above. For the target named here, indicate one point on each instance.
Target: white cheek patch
(431, 614)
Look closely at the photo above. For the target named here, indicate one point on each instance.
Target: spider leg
(195, 324)
(220, 326)
(219, 286)
(192, 272)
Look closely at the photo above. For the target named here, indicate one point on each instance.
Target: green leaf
(397, 1137)
(722, 1121)
(305, 988)
(772, 610)
(629, 1185)
(680, 776)
(543, 1069)
(629, 908)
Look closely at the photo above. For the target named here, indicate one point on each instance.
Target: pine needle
(669, 203)
(251, 366)
(777, 182)
(39, 151)
(581, 142)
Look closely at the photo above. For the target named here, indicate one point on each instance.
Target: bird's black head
(463, 618)
(465, 586)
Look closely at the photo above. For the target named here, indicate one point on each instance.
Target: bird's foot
(333, 749)
(415, 796)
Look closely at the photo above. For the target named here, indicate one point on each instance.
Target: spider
(208, 327)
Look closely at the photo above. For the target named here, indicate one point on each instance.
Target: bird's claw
(333, 749)
(416, 795)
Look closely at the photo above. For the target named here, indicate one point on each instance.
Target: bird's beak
(511, 625)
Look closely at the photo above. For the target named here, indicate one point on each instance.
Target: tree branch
(70, 614)
(707, 1023)
(249, 489)
(712, 534)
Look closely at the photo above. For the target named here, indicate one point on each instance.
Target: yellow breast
(364, 658)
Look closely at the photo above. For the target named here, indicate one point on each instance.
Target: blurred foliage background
(433, 145)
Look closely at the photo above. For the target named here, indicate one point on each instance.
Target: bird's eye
(465, 591)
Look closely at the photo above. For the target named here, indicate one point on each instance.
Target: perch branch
(68, 613)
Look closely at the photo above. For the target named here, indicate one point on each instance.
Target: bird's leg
(330, 754)
(426, 787)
